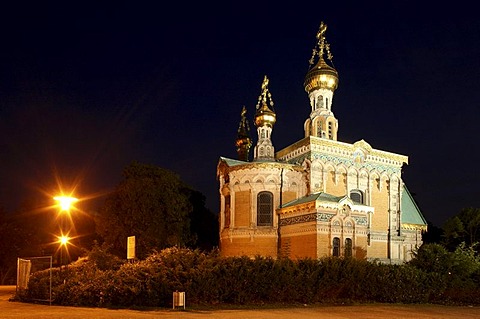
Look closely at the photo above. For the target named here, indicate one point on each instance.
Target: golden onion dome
(265, 116)
(321, 76)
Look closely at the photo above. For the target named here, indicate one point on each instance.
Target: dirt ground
(11, 309)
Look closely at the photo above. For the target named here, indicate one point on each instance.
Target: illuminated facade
(319, 196)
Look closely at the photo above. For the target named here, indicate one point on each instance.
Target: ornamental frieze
(350, 162)
(313, 217)
(361, 221)
(347, 161)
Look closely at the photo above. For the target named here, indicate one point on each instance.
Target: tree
(470, 218)
(152, 204)
(204, 224)
(459, 268)
(24, 233)
(463, 227)
(432, 258)
(433, 235)
(8, 247)
(453, 232)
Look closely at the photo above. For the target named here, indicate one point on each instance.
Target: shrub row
(209, 279)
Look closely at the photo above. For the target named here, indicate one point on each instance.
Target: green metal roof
(410, 212)
(232, 162)
(324, 197)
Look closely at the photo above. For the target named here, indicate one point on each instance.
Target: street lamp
(64, 240)
(65, 203)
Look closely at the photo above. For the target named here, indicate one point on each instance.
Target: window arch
(357, 196)
(227, 211)
(336, 247)
(320, 102)
(265, 209)
(348, 248)
(319, 128)
(330, 130)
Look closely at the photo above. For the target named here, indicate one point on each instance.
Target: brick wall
(242, 209)
(245, 246)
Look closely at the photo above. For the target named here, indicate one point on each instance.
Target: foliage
(203, 223)
(152, 204)
(463, 227)
(456, 273)
(102, 259)
(208, 278)
(432, 258)
(433, 235)
(20, 235)
(8, 247)
(454, 232)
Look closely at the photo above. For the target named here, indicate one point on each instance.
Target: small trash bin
(179, 299)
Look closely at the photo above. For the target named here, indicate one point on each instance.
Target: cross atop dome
(322, 47)
(265, 98)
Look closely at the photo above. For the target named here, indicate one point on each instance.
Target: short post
(179, 299)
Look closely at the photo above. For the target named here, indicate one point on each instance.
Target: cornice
(341, 152)
(406, 226)
(260, 165)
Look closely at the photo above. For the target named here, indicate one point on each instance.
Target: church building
(318, 197)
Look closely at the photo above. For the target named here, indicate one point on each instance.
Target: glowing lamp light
(65, 202)
(63, 240)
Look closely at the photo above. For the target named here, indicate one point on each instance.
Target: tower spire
(243, 141)
(321, 81)
(322, 47)
(265, 118)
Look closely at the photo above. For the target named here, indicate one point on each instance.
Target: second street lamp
(63, 241)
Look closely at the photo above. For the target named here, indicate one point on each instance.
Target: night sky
(88, 87)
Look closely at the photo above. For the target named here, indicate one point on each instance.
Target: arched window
(348, 248)
(357, 196)
(319, 128)
(336, 247)
(320, 102)
(227, 211)
(264, 209)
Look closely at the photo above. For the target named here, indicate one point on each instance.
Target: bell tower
(320, 83)
(265, 118)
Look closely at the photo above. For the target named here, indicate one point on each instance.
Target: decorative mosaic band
(346, 161)
(313, 217)
(317, 217)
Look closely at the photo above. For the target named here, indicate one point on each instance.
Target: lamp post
(65, 203)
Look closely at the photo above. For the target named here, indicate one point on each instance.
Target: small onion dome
(321, 76)
(265, 116)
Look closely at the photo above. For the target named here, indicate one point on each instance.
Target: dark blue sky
(86, 88)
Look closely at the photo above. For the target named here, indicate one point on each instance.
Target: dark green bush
(211, 279)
